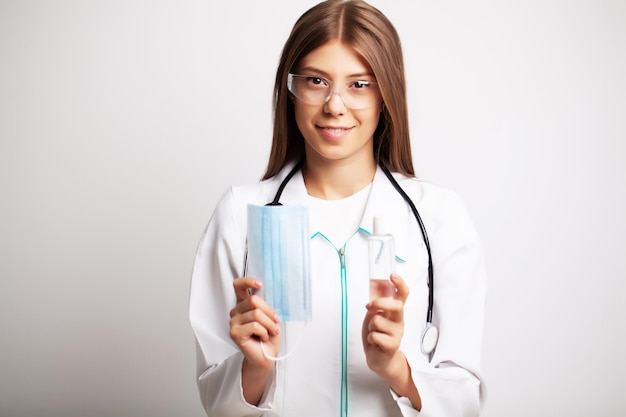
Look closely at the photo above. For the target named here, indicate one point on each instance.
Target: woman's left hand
(382, 332)
(383, 328)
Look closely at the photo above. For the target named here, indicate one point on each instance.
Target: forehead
(335, 59)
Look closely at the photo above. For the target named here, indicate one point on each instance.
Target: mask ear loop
(283, 357)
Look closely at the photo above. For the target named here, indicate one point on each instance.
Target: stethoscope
(430, 334)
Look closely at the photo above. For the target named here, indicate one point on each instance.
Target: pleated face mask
(278, 256)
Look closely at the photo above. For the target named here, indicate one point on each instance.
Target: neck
(334, 180)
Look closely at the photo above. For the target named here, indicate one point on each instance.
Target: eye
(360, 84)
(316, 81)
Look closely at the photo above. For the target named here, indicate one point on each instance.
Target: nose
(335, 104)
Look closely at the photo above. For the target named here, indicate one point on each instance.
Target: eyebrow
(327, 75)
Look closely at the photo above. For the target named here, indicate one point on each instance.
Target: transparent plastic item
(382, 258)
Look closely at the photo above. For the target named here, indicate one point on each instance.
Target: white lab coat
(309, 381)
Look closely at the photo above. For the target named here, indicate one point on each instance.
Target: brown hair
(371, 35)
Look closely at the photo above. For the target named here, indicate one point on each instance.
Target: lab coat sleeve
(450, 385)
(220, 258)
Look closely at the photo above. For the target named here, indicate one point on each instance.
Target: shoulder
(227, 226)
(429, 193)
(437, 204)
(267, 190)
(236, 198)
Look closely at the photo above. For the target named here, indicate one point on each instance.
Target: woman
(340, 110)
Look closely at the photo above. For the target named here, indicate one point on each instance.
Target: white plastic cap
(380, 226)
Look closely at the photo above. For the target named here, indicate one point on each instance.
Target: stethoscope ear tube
(296, 168)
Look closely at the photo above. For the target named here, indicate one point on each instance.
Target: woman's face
(335, 131)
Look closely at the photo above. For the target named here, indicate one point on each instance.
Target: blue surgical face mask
(278, 255)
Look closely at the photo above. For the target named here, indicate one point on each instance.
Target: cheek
(370, 118)
(299, 116)
(304, 117)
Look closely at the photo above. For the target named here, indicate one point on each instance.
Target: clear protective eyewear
(314, 90)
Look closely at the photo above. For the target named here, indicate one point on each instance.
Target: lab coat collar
(383, 200)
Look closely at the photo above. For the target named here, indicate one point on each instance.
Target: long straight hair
(365, 29)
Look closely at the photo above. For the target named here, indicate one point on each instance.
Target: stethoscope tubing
(431, 295)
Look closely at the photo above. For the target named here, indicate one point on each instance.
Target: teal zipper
(344, 334)
(343, 406)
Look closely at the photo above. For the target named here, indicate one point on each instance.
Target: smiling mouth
(334, 133)
(335, 130)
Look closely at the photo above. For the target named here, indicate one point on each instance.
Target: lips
(334, 132)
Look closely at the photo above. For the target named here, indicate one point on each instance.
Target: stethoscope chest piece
(430, 337)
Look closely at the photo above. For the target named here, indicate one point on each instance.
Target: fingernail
(277, 330)
(276, 318)
(258, 283)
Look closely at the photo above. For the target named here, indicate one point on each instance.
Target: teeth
(335, 130)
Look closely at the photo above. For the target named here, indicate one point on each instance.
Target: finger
(402, 290)
(244, 285)
(390, 308)
(382, 324)
(244, 332)
(385, 342)
(254, 302)
(256, 316)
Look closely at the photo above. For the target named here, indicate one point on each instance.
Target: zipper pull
(342, 257)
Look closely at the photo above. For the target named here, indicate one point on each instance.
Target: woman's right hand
(253, 321)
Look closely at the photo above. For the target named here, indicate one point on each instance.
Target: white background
(123, 121)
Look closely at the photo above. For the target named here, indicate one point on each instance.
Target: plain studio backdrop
(122, 122)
